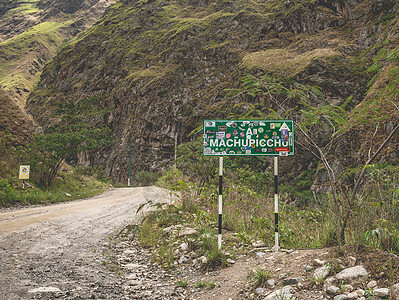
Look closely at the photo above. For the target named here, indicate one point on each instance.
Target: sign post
(220, 202)
(249, 138)
(130, 163)
(276, 247)
(24, 171)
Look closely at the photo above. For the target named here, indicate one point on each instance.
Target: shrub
(146, 178)
(259, 277)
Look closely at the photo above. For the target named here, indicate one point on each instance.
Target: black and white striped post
(220, 202)
(276, 247)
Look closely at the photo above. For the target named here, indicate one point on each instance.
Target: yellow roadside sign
(24, 172)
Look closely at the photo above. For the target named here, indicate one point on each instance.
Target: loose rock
(321, 273)
(259, 291)
(351, 261)
(271, 283)
(308, 268)
(381, 292)
(318, 262)
(351, 274)
(290, 281)
(284, 293)
(332, 290)
(353, 295)
(341, 297)
(258, 244)
(44, 289)
(372, 284)
(183, 247)
(259, 254)
(395, 291)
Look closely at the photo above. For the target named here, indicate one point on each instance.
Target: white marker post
(220, 202)
(276, 247)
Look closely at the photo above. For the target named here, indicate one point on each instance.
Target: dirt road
(55, 251)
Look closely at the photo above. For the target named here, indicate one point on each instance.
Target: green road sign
(248, 137)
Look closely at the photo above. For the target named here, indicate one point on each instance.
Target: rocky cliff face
(165, 65)
(15, 122)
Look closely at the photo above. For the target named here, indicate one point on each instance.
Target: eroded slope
(166, 65)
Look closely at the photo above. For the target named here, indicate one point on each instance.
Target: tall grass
(67, 186)
(249, 215)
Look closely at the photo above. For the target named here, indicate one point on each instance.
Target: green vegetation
(248, 217)
(69, 184)
(386, 68)
(283, 62)
(28, 7)
(155, 46)
(259, 277)
(29, 49)
(182, 283)
(25, 7)
(347, 199)
(51, 179)
(205, 284)
(78, 129)
(344, 215)
(146, 178)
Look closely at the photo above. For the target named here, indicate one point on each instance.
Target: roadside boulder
(381, 292)
(394, 292)
(282, 294)
(321, 273)
(351, 274)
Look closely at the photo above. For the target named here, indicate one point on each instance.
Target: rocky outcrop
(166, 66)
(5, 6)
(53, 8)
(15, 122)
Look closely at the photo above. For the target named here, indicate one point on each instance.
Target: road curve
(57, 247)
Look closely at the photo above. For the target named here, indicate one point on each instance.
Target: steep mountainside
(166, 64)
(32, 31)
(15, 122)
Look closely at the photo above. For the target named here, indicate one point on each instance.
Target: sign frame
(255, 137)
(24, 171)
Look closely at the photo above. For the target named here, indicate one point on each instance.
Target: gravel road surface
(56, 251)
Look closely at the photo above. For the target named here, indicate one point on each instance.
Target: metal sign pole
(175, 166)
(130, 163)
(276, 247)
(220, 202)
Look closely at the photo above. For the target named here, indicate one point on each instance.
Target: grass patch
(249, 216)
(205, 284)
(146, 178)
(46, 33)
(28, 7)
(258, 277)
(21, 55)
(68, 185)
(182, 283)
(285, 62)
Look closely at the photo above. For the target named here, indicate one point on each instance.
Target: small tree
(77, 127)
(295, 101)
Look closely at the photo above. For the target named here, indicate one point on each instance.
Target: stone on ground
(321, 273)
(283, 294)
(44, 289)
(351, 274)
